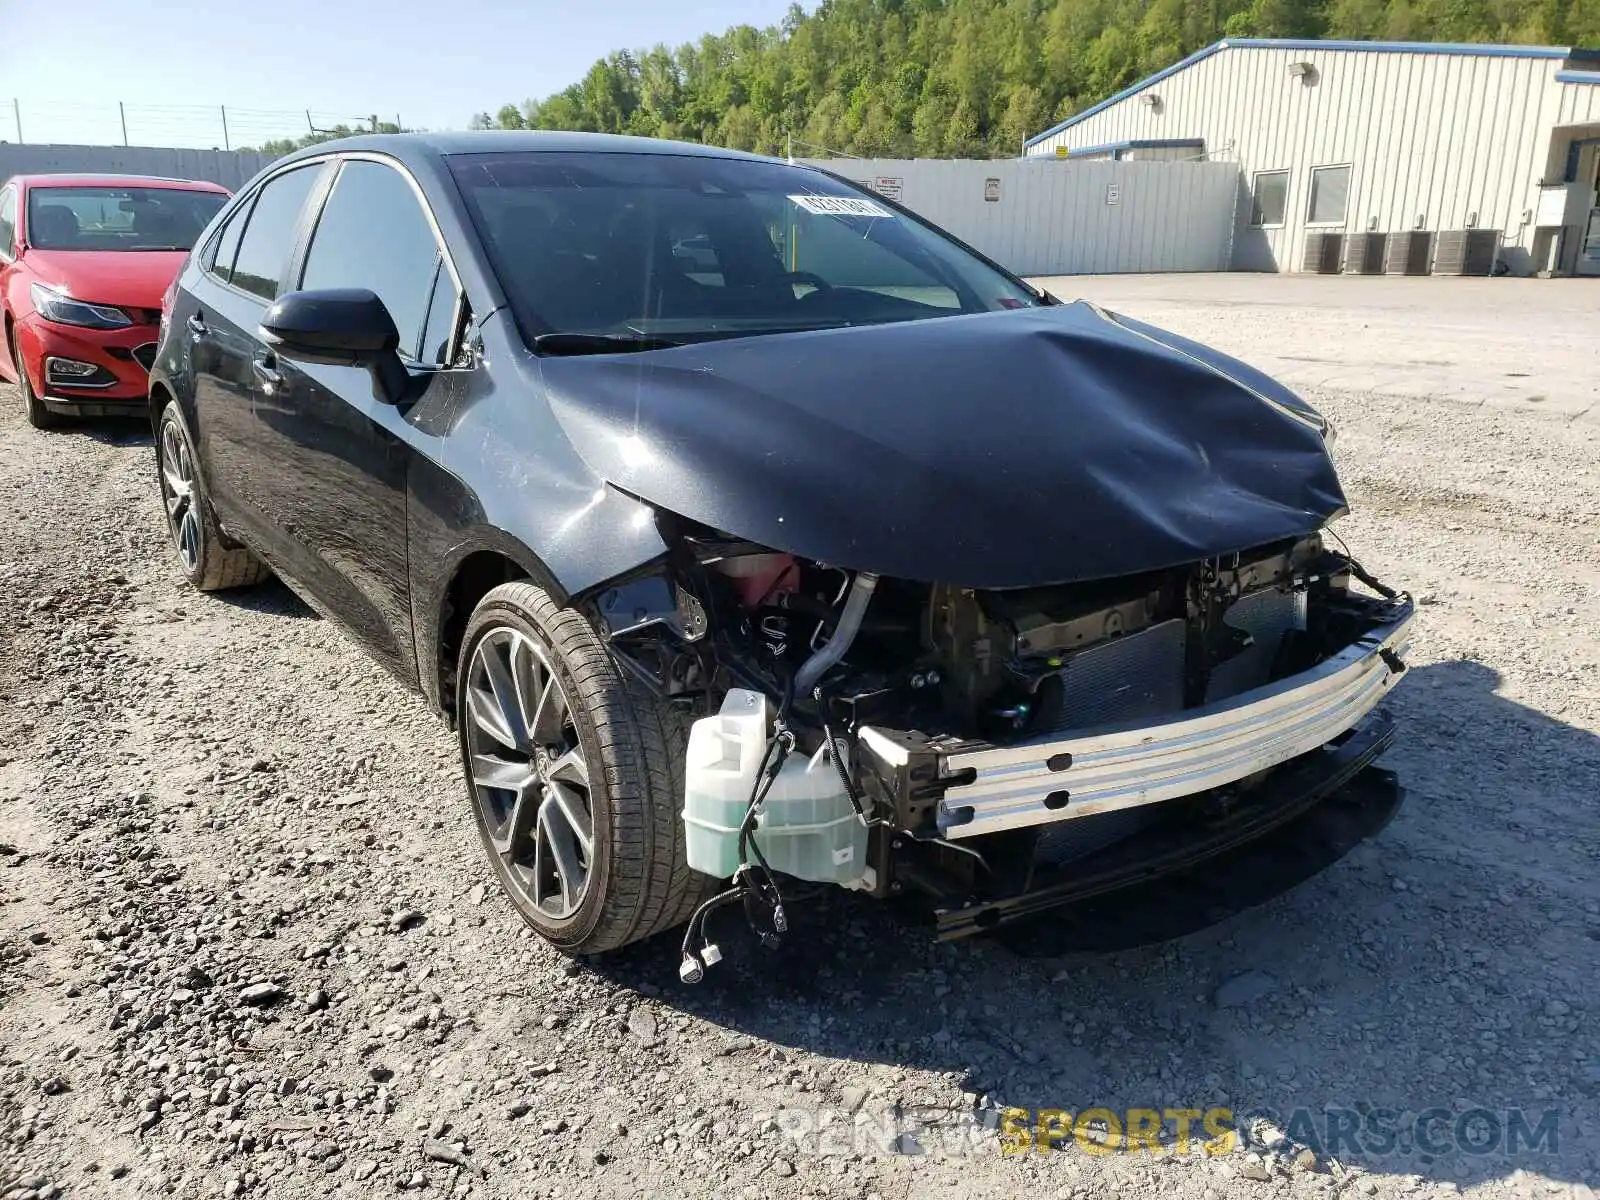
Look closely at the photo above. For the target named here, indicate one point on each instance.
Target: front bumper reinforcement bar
(1341, 773)
(1054, 779)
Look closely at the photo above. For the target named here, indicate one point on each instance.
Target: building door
(1589, 241)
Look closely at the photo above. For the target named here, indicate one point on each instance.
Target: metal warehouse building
(1377, 156)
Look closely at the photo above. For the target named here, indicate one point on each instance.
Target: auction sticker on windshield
(841, 206)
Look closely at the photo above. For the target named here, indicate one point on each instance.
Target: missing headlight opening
(997, 751)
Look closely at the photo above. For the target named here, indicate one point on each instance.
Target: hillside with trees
(277, 147)
(970, 78)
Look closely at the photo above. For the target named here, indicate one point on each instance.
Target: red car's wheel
(33, 408)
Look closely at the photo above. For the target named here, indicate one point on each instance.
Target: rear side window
(374, 234)
(8, 221)
(269, 233)
(219, 258)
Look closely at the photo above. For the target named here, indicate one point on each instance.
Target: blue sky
(174, 62)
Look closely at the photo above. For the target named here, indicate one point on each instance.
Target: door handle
(266, 371)
(197, 326)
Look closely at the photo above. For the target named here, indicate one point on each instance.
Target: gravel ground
(248, 944)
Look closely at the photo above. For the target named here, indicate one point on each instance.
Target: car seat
(53, 227)
(642, 278)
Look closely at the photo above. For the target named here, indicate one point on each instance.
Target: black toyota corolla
(748, 529)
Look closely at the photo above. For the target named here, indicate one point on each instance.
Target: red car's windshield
(118, 218)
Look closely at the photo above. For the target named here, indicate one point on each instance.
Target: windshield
(650, 249)
(118, 218)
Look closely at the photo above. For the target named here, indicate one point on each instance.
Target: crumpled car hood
(999, 450)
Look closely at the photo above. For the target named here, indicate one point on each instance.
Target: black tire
(33, 408)
(638, 882)
(207, 561)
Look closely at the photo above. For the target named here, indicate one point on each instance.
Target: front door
(340, 451)
(240, 275)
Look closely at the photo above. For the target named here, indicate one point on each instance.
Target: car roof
(411, 146)
(78, 179)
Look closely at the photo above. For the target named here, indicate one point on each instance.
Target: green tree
(278, 147)
(969, 77)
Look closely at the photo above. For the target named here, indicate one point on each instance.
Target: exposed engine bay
(964, 742)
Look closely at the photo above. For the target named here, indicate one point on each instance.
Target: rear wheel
(33, 408)
(207, 561)
(575, 772)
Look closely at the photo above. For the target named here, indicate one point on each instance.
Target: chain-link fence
(181, 126)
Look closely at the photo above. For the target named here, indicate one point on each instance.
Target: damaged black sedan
(748, 529)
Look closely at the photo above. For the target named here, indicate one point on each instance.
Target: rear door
(241, 272)
(341, 454)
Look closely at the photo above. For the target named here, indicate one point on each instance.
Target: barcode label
(841, 206)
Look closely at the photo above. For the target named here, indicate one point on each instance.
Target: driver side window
(374, 234)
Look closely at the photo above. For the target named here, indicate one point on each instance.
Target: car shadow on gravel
(1382, 988)
(271, 598)
(112, 431)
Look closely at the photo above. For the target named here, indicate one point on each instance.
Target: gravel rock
(1253, 1166)
(1245, 989)
(643, 1025)
(438, 1151)
(261, 993)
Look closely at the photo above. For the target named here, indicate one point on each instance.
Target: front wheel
(33, 408)
(575, 773)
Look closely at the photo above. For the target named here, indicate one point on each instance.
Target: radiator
(1141, 675)
(1266, 616)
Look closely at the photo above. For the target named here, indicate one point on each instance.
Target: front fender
(606, 536)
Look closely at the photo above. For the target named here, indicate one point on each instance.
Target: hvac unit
(1466, 252)
(1323, 253)
(1408, 253)
(1363, 253)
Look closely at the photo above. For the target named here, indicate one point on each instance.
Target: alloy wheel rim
(177, 491)
(530, 779)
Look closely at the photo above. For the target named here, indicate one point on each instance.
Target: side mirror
(347, 327)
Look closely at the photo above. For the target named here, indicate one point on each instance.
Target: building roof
(1568, 54)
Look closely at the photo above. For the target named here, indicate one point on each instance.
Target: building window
(1330, 195)
(1270, 196)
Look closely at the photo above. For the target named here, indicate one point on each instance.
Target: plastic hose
(855, 608)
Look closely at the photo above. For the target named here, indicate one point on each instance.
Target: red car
(84, 263)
